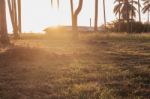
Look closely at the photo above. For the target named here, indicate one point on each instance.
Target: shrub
(131, 27)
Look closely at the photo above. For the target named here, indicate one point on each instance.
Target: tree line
(125, 10)
(15, 15)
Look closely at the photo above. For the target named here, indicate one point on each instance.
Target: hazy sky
(38, 14)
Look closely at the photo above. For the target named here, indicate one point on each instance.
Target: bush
(131, 27)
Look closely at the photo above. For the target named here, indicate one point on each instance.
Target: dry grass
(96, 66)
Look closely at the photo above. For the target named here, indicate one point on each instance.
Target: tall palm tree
(11, 14)
(15, 17)
(14, 5)
(104, 13)
(139, 10)
(146, 9)
(125, 8)
(19, 16)
(74, 14)
(118, 12)
(3, 24)
(96, 16)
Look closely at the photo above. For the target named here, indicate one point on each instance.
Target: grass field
(96, 66)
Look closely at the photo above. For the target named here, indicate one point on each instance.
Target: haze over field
(86, 52)
(38, 14)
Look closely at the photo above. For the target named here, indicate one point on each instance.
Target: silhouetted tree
(126, 9)
(96, 16)
(146, 8)
(15, 17)
(19, 16)
(104, 10)
(75, 14)
(139, 10)
(118, 10)
(3, 24)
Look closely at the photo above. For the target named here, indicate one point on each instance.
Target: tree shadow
(136, 74)
(31, 73)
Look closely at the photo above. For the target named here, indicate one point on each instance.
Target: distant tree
(74, 14)
(96, 16)
(104, 14)
(146, 9)
(3, 24)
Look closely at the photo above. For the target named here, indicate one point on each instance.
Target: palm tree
(104, 13)
(75, 14)
(96, 16)
(146, 8)
(3, 24)
(139, 10)
(15, 17)
(119, 17)
(125, 8)
(19, 16)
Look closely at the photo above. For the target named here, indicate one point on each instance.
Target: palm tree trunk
(96, 16)
(132, 11)
(128, 21)
(3, 24)
(119, 18)
(15, 14)
(14, 11)
(58, 3)
(52, 3)
(90, 22)
(148, 16)
(132, 17)
(72, 11)
(75, 14)
(11, 14)
(139, 10)
(119, 12)
(19, 16)
(104, 14)
(15, 19)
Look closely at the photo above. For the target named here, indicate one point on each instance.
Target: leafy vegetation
(133, 27)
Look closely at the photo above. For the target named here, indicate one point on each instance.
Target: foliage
(134, 27)
(125, 8)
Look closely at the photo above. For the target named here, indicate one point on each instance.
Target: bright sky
(38, 14)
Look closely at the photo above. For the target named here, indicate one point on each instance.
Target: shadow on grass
(30, 73)
(136, 75)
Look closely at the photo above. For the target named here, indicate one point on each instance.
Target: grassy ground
(93, 67)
